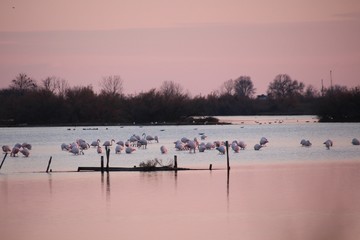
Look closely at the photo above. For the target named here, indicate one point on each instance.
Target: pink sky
(198, 44)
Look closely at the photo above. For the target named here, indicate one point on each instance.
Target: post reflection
(107, 187)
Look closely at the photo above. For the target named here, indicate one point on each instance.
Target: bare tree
(50, 84)
(227, 88)
(171, 89)
(112, 85)
(23, 83)
(244, 87)
(283, 87)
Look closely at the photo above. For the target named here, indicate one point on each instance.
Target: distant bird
(76, 150)
(156, 139)
(242, 145)
(305, 143)
(99, 149)
(263, 141)
(65, 147)
(328, 143)
(355, 141)
(95, 143)
(26, 145)
(257, 147)
(179, 145)
(18, 145)
(192, 145)
(202, 147)
(6, 149)
(142, 143)
(121, 143)
(14, 151)
(221, 149)
(203, 137)
(129, 150)
(209, 146)
(235, 146)
(25, 152)
(118, 149)
(108, 143)
(163, 150)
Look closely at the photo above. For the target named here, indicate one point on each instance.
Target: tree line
(53, 102)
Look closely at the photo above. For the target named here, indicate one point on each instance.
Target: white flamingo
(163, 150)
(6, 149)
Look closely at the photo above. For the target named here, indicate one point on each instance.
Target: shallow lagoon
(283, 191)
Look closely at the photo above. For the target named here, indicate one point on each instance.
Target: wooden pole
(48, 166)
(107, 158)
(102, 164)
(227, 155)
(175, 161)
(210, 167)
(3, 160)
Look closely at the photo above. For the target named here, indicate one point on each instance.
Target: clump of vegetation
(151, 164)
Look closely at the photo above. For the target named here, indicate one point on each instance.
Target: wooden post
(227, 154)
(175, 161)
(107, 158)
(48, 166)
(210, 167)
(102, 164)
(3, 160)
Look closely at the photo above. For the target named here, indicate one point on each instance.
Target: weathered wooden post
(3, 160)
(227, 155)
(48, 166)
(175, 161)
(102, 164)
(107, 158)
(210, 167)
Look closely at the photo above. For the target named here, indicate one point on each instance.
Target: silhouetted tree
(244, 87)
(284, 87)
(23, 83)
(112, 85)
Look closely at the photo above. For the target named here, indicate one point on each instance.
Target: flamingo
(263, 141)
(76, 150)
(242, 145)
(129, 150)
(6, 149)
(163, 150)
(26, 145)
(328, 143)
(99, 149)
(305, 143)
(95, 143)
(209, 145)
(192, 145)
(202, 147)
(108, 143)
(221, 149)
(142, 143)
(25, 151)
(235, 147)
(18, 145)
(118, 149)
(179, 145)
(121, 143)
(65, 146)
(14, 151)
(257, 147)
(355, 141)
(156, 139)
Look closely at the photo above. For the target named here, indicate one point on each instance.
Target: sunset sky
(197, 43)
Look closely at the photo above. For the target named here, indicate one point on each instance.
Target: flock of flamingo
(135, 141)
(18, 148)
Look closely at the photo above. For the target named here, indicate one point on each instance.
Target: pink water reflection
(277, 201)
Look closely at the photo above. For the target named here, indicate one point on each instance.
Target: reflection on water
(263, 201)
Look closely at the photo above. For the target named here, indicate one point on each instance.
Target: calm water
(283, 191)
